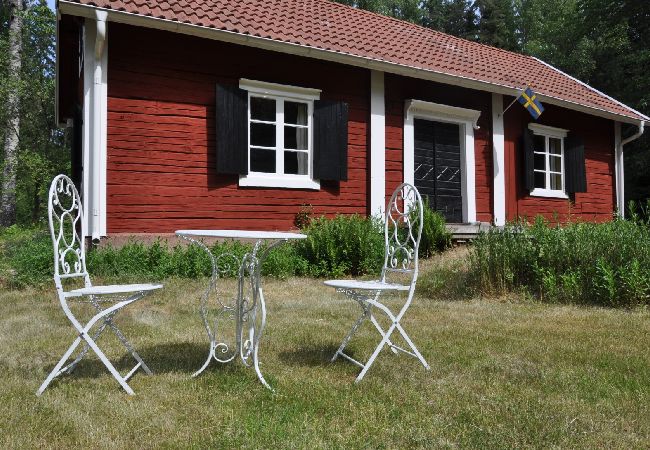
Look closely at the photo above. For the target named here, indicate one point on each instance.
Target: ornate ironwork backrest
(66, 228)
(402, 231)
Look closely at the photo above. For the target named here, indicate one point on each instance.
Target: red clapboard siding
(161, 135)
(398, 90)
(598, 203)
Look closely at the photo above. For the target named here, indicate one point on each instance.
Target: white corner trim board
(619, 170)
(377, 144)
(466, 119)
(95, 123)
(498, 157)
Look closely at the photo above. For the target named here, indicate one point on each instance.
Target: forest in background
(605, 43)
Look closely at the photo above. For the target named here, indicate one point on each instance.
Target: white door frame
(466, 119)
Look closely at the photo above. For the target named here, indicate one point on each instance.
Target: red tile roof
(333, 27)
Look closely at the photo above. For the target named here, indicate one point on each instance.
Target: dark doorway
(438, 167)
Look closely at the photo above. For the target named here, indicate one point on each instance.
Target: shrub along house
(233, 114)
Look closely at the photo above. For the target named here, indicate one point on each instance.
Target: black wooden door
(437, 167)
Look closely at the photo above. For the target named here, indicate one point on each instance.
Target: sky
(50, 3)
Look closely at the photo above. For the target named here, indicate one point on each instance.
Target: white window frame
(467, 121)
(555, 133)
(281, 93)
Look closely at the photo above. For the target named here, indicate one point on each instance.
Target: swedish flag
(529, 99)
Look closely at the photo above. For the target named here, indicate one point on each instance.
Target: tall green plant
(605, 264)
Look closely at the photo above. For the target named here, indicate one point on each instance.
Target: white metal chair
(402, 232)
(67, 230)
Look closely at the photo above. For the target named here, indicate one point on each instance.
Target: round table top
(240, 234)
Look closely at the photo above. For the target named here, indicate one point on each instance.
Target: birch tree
(12, 131)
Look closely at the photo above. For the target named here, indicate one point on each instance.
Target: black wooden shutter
(528, 147)
(330, 140)
(232, 130)
(575, 172)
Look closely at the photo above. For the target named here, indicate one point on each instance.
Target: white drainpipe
(620, 174)
(636, 135)
(96, 123)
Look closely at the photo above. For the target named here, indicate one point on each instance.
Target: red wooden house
(233, 114)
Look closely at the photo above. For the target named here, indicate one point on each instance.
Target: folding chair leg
(412, 345)
(129, 347)
(107, 363)
(58, 366)
(85, 349)
(392, 346)
(372, 358)
(353, 330)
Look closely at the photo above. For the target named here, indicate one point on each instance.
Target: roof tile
(335, 27)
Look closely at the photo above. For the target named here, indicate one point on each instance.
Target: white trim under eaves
(592, 88)
(127, 18)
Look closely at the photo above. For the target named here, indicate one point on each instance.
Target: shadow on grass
(185, 357)
(312, 355)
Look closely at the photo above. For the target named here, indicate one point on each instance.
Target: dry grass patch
(504, 374)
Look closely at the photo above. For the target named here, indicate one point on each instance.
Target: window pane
(556, 181)
(295, 113)
(540, 180)
(296, 163)
(295, 138)
(263, 134)
(539, 143)
(556, 163)
(263, 109)
(262, 160)
(540, 162)
(555, 146)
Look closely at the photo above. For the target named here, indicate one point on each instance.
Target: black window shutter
(330, 140)
(528, 146)
(574, 165)
(232, 130)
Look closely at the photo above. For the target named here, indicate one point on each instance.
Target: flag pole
(508, 107)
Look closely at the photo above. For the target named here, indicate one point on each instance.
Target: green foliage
(435, 237)
(42, 151)
(343, 245)
(604, 264)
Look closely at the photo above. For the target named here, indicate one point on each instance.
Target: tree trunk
(8, 198)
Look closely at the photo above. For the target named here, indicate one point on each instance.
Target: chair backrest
(402, 231)
(65, 214)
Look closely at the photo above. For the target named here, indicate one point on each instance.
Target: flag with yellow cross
(530, 101)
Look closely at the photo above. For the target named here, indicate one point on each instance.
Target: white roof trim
(592, 88)
(76, 9)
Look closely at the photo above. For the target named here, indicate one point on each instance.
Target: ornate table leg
(215, 346)
(252, 307)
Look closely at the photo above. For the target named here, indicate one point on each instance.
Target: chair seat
(367, 285)
(113, 289)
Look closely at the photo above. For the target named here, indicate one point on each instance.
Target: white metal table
(247, 308)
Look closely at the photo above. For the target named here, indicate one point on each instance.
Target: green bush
(344, 245)
(435, 237)
(603, 264)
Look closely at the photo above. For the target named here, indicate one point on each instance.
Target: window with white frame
(549, 171)
(280, 148)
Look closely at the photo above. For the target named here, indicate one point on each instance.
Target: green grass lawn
(504, 374)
